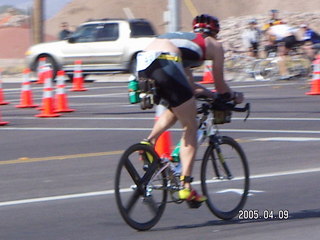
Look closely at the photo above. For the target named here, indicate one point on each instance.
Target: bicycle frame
(210, 132)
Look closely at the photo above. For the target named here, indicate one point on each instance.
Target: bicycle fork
(216, 141)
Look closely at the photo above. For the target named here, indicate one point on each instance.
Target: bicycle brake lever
(247, 107)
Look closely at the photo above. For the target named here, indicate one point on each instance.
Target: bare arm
(215, 52)
(198, 90)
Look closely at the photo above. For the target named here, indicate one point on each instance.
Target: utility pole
(37, 21)
(174, 15)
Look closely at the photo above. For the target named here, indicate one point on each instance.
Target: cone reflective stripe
(2, 102)
(26, 93)
(78, 78)
(207, 75)
(315, 82)
(163, 144)
(61, 97)
(41, 70)
(47, 99)
(2, 123)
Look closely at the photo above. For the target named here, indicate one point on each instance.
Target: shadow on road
(304, 214)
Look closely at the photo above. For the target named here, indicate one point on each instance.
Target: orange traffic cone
(26, 93)
(2, 123)
(61, 97)
(315, 83)
(78, 78)
(47, 99)
(163, 144)
(2, 102)
(207, 75)
(41, 70)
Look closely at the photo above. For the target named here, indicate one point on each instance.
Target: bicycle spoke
(132, 172)
(132, 201)
(148, 175)
(151, 204)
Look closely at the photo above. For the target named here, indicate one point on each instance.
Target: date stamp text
(254, 214)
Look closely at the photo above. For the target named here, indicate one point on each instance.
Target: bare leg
(166, 120)
(283, 59)
(186, 114)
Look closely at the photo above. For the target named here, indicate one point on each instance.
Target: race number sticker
(144, 59)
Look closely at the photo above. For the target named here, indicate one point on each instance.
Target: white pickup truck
(102, 45)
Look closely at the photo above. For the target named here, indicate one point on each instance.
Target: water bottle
(175, 155)
(133, 88)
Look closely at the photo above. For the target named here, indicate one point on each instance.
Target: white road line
(272, 131)
(270, 84)
(148, 129)
(68, 88)
(152, 118)
(94, 118)
(76, 129)
(55, 198)
(278, 119)
(286, 139)
(100, 95)
(109, 192)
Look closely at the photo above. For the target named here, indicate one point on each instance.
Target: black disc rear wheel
(140, 189)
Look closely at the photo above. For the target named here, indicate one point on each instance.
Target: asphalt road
(56, 174)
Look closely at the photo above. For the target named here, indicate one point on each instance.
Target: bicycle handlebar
(222, 105)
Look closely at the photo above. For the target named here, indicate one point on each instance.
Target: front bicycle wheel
(225, 178)
(140, 187)
(266, 70)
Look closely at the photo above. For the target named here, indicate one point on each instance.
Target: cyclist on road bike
(281, 39)
(168, 61)
(274, 20)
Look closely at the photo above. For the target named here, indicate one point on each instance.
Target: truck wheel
(49, 60)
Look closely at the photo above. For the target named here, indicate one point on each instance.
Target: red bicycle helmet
(206, 23)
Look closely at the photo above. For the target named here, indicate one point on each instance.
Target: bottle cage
(148, 93)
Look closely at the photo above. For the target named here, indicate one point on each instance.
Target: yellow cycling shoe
(191, 195)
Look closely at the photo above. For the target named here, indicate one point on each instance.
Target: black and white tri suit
(167, 69)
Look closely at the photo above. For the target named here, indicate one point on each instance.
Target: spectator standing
(251, 38)
(309, 34)
(273, 20)
(311, 41)
(65, 32)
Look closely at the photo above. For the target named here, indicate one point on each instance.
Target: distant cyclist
(271, 39)
(168, 61)
(281, 39)
(282, 35)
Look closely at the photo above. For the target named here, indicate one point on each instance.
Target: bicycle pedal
(194, 204)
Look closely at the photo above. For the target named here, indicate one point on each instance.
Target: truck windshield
(141, 29)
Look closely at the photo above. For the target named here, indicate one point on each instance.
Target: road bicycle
(238, 65)
(296, 63)
(144, 180)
